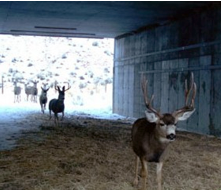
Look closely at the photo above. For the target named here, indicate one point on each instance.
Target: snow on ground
(86, 64)
(18, 118)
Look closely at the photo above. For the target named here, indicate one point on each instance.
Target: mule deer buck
(57, 105)
(43, 98)
(152, 135)
(17, 92)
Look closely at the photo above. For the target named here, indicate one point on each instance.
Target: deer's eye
(162, 124)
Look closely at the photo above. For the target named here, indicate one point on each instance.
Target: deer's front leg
(49, 114)
(159, 174)
(144, 173)
(62, 116)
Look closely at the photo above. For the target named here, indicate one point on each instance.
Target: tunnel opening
(86, 65)
(83, 63)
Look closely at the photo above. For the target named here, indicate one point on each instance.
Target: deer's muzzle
(171, 137)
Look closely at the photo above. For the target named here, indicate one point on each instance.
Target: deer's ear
(151, 116)
(183, 115)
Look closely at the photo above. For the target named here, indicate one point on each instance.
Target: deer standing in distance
(152, 135)
(34, 92)
(28, 90)
(17, 92)
(43, 97)
(57, 105)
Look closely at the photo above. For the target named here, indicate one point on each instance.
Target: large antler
(146, 99)
(63, 88)
(67, 88)
(189, 105)
(56, 88)
(187, 92)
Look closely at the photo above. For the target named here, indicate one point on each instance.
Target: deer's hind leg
(135, 182)
(49, 114)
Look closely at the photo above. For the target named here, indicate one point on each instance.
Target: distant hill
(86, 64)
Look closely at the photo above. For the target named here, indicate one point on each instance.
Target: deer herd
(151, 135)
(55, 105)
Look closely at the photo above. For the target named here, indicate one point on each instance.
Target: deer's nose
(171, 136)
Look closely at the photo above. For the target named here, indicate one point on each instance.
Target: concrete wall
(167, 55)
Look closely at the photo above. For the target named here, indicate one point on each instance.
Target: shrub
(95, 44)
(30, 65)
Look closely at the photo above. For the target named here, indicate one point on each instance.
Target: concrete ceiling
(90, 19)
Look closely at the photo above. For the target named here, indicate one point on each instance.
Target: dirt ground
(85, 153)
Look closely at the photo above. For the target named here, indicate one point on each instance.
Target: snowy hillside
(85, 64)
